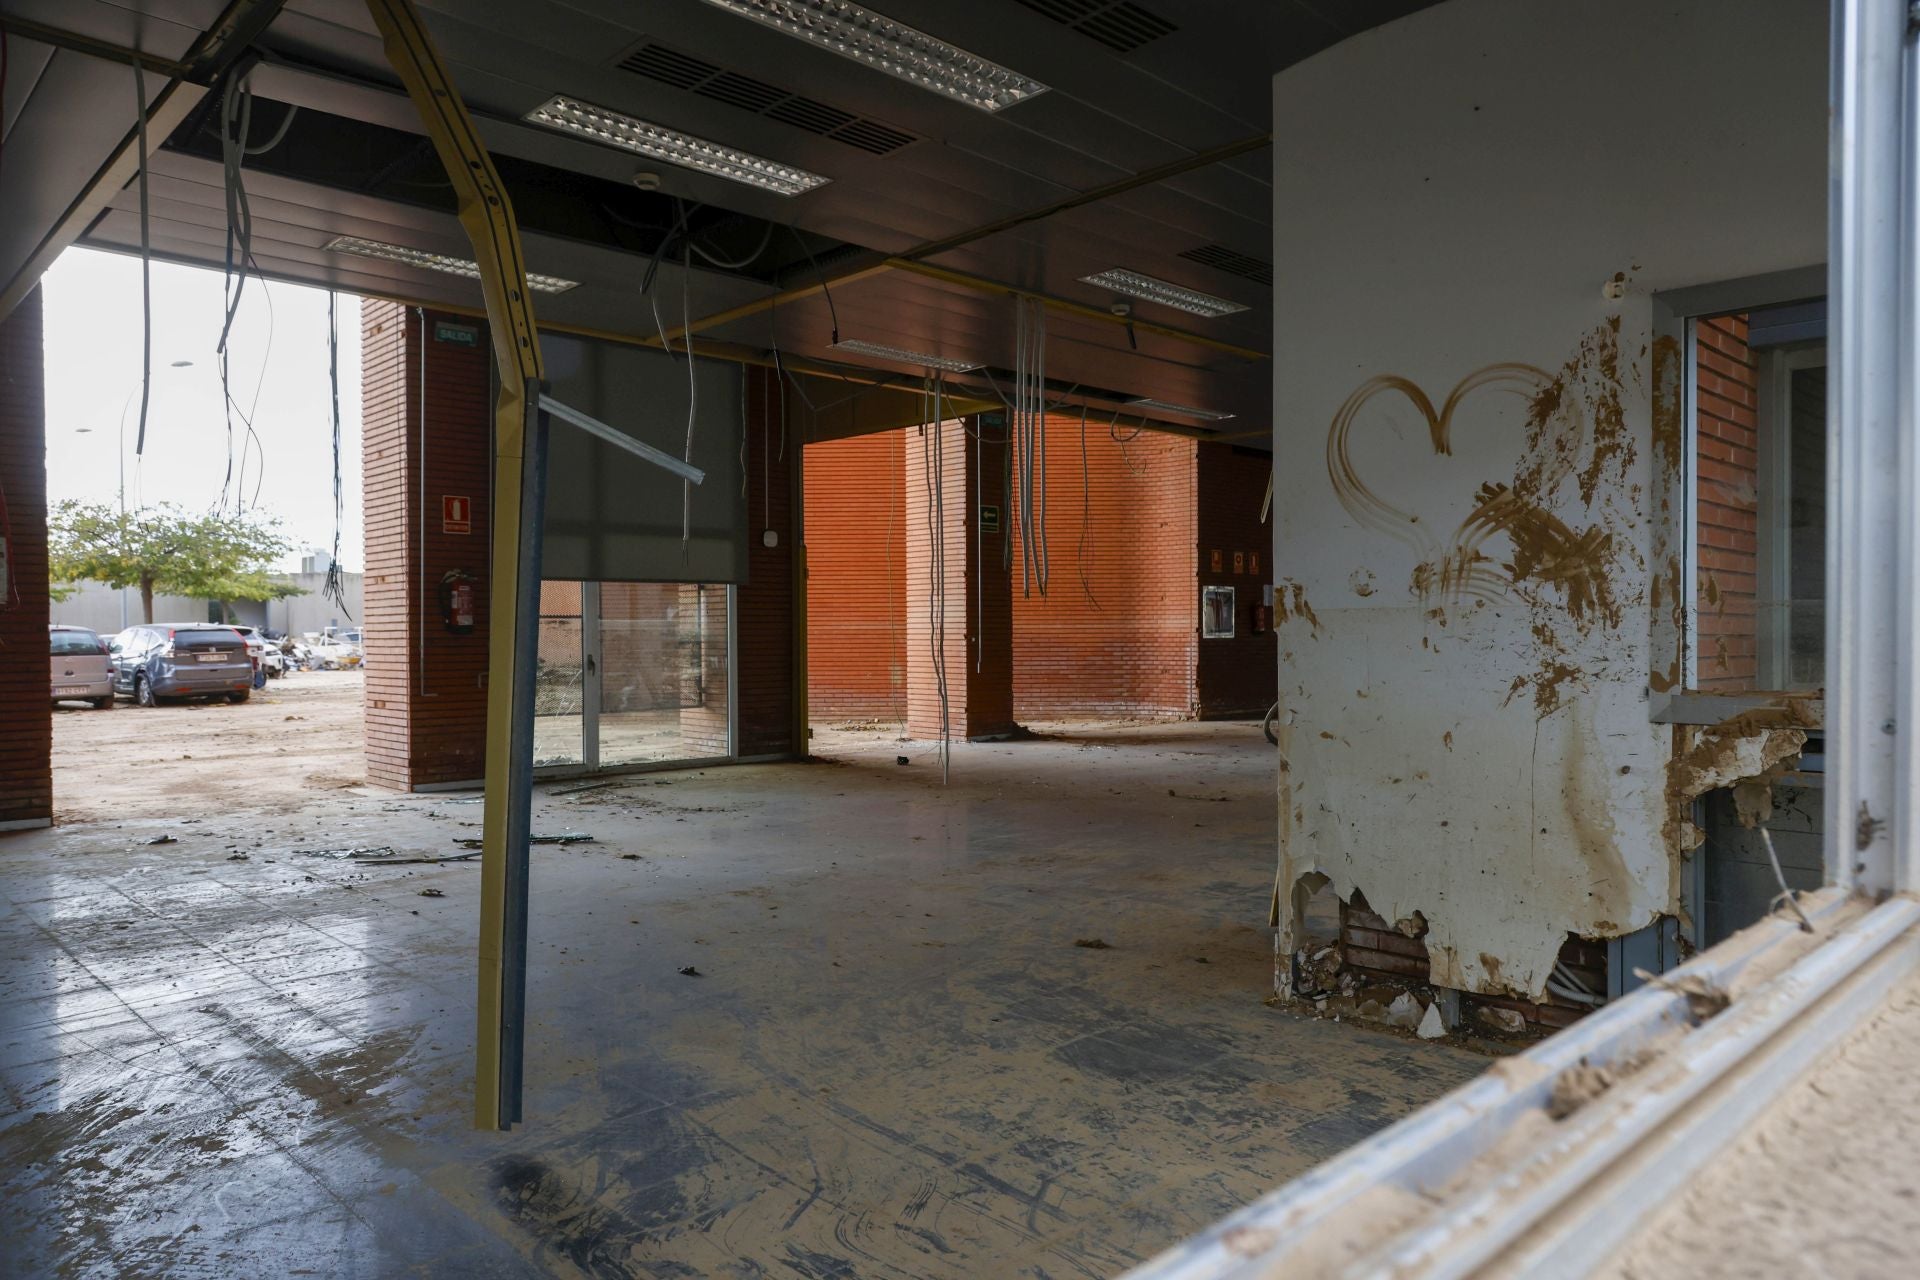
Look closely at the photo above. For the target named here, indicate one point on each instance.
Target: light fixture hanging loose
(1182, 410)
(901, 51)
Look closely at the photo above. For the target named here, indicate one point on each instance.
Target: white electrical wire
(146, 272)
(693, 400)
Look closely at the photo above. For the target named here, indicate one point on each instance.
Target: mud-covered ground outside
(301, 733)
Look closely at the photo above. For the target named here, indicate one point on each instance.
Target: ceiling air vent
(1233, 262)
(1122, 27)
(697, 75)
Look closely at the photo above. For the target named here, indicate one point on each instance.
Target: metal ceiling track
(187, 83)
(920, 252)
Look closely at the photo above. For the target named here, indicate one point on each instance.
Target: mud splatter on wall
(1478, 455)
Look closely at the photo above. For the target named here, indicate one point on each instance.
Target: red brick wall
(26, 707)
(977, 648)
(857, 578)
(1239, 676)
(1725, 444)
(1116, 632)
(426, 694)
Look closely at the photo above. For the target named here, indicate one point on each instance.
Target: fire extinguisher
(456, 601)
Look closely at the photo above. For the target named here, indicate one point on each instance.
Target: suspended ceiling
(1132, 87)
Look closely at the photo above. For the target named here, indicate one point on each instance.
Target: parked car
(82, 667)
(267, 660)
(157, 661)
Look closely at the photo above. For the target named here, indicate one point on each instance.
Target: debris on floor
(564, 837)
(161, 840)
(688, 971)
(432, 893)
(1093, 944)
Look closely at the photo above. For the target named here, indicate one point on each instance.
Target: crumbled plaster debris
(1404, 1012)
(1431, 1027)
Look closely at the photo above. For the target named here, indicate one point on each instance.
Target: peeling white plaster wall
(1451, 193)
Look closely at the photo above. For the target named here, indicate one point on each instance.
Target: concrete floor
(894, 1061)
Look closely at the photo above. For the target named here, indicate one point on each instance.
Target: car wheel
(143, 692)
(238, 697)
(103, 704)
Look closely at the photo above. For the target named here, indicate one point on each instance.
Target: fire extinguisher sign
(456, 514)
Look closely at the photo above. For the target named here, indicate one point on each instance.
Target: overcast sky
(277, 361)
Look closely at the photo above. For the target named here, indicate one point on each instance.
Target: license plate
(211, 657)
(70, 688)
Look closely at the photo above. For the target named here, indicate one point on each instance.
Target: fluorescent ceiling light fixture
(657, 142)
(1184, 410)
(436, 262)
(893, 47)
(921, 358)
(1164, 292)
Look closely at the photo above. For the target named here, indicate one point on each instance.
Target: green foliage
(165, 549)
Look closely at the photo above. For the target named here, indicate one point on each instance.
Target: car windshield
(73, 642)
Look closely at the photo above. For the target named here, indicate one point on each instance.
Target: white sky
(277, 352)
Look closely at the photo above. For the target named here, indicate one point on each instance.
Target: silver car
(153, 663)
(82, 668)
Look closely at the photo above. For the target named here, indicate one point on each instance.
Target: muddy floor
(244, 1052)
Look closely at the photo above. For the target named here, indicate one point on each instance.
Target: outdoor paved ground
(233, 1055)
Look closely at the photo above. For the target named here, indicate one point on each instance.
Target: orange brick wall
(426, 691)
(1116, 632)
(857, 578)
(26, 708)
(1725, 444)
(1239, 676)
(977, 647)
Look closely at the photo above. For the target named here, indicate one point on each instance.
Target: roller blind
(611, 517)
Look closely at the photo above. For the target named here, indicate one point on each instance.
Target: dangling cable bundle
(933, 477)
(335, 588)
(1028, 410)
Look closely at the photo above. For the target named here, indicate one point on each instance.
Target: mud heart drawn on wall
(1574, 431)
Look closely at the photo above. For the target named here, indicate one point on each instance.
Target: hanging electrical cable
(335, 588)
(714, 260)
(693, 402)
(822, 277)
(1086, 515)
(146, 269)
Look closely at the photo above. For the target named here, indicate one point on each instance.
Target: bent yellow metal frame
(518, 480)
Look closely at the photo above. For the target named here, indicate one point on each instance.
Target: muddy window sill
(1756, 709)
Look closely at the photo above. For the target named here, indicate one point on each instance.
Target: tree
(216, 556)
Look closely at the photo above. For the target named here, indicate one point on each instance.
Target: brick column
(952, 471)
(428, 428)
(768, 711)
(26, 710)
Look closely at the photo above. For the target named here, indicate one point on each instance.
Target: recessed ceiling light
(1184, 410)
(893, 47)
(437, 262)
(921, 358)
(657, 142)
(1164, 292)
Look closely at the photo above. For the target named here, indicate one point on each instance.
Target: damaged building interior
(1013, 638)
